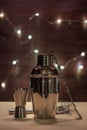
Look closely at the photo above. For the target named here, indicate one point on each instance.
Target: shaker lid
(43, 60)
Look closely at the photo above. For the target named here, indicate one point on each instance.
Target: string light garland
(60, 20)
(18, 31)
(29, 37)
(80, 66)
(62, 67)
(36, 14)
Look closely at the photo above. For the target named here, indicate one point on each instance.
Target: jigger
(20, 97)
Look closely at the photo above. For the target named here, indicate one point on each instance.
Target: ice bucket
(44, 88)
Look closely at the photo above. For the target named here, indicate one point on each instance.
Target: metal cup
(20, 97)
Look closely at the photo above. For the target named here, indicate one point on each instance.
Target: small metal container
(20, 97)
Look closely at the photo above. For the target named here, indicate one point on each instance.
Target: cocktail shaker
(44, 87)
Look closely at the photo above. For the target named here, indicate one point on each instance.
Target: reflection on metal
(20, 96)
(44, 88)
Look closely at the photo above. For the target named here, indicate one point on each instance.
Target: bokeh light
(2, 15)
(29, 37)
(37, 14)
(59, 21)
(3, 84)
(36, 51)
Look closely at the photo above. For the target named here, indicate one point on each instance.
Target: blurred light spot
(62, 67)
(37, 14)
(56, 65)
(85, 21)
(85, 24)
(80, 67)
(2, 15)
(19, 32)
(59, 21)
(36, 51)
(3, 84)
(14, 62)
(82, 54)
(29, 37)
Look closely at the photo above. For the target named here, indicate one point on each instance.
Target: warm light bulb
(19, 31)
(3, 84)
(59, 21)
(85, 21)
(80, 67)
(37, 14)
(36, 51)
(14, 62)
(82, 54)
(29, 36)
(2, 15)
(62, 67)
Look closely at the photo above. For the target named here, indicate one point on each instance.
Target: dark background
(67, 40)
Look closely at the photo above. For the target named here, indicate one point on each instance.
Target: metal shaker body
(44, 89)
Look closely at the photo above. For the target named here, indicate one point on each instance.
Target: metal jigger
(20, 97)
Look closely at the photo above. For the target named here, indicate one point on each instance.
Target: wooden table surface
(62, 121)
